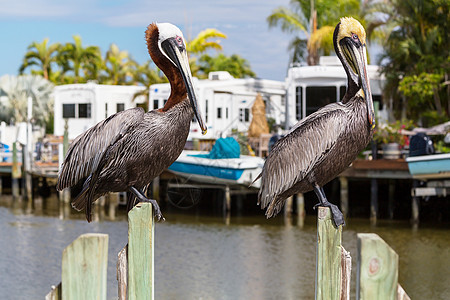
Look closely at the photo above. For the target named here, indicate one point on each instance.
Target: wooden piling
(377, 268)
(329, 259)
(415, 204)
(344, 195)
(122, 273)
(155, 188)
(227, 201)
(15, 173)
(288, 207)
(300, 210)
(373, 201)
(141, 252)
(84, 264)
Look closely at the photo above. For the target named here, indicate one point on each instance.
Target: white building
(311, 87)
(84, 105)
(225, 102)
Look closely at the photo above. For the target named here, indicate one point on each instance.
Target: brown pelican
(127, 150)
(322, 145)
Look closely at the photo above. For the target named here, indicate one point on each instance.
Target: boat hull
(234, 171)
(429, 166)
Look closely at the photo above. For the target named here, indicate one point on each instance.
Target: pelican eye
(355, 37)
(179, 40)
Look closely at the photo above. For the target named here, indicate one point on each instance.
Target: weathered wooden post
(141, 252)
(377, 271)
(344, 195)
(15, 174)
(84, 264)
(333, 263)
(300, 210)
(155, 188)
(288, 207)
(65, 193)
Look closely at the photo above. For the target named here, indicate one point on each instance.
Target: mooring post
(373, 201)
(288, 207)
(300, 210)
(84, 264)
(227, 201)
(415, 204)
(331, 259)
(15, 175)
(155, 188)
(377, 268)
(141, 252)
(344, 195)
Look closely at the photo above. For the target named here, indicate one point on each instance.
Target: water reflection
(199, 256)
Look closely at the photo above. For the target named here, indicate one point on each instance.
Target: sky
(102, 22)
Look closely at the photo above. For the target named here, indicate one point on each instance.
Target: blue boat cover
(223, 148)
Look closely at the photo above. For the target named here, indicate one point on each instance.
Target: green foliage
(313, 22)
(416, 60)
(17, 89)
(234, 64)
(74, 63)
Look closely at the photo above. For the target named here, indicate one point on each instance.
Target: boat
(223, 165)
(433, 166)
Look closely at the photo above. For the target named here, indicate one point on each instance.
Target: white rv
(225, 102)
(84, 105)
(310, 87)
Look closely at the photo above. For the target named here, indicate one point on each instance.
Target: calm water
(198, 256)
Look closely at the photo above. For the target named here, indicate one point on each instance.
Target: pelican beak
(356, 60)
(178, 54)
(361, 62)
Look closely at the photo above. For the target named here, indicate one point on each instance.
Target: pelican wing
(86, 151)
(294, 156)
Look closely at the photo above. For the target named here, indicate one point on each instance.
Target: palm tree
(234, 64)
(42, 55)
(146, 75)
(118, 66)
(74, 57)
(202, 43)
(17, 89)
(313, 23)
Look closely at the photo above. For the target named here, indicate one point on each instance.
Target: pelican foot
(336, 214)
(158, 215)
(141, 198)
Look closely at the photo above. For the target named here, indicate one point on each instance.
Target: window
(226, 113)
(165, 101)
(120, 107)
(319, 96)
(298, 102)
(68, 111)
(106, 110)
(244, 115)
(219, 113)
(80, 110)
(155, 103)
(84, 110)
